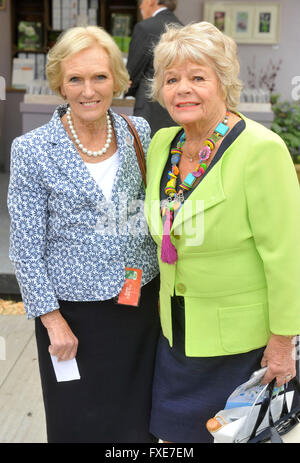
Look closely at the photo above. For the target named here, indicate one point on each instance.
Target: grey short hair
(171, 4)
(198, 42)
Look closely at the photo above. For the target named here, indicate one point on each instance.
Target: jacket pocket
(243, 328)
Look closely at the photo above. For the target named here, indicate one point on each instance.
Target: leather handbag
(138, 147)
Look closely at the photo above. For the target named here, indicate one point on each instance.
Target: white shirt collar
(158, 11)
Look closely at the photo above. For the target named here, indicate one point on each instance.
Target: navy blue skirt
(187, 391)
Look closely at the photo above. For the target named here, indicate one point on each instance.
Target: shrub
(286, 124)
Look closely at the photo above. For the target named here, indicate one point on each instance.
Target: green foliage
(286, 124)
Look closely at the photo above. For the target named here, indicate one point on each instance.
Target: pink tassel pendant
(168, 250)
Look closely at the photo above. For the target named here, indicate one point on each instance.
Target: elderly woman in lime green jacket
(223, 206)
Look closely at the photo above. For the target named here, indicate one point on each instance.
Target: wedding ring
(288, 376)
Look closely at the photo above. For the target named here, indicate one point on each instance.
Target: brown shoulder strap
(138, 147)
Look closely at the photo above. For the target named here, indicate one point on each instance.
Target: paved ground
(22, 417)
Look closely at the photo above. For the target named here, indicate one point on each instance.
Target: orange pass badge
(130, 294)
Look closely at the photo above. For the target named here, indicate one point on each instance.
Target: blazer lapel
(207, 194)
(155, 171)
(67, 158)
(128, 171)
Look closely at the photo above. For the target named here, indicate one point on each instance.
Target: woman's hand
(279, 357)
(63, 343)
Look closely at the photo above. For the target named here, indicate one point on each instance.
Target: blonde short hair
(80, 38)
(198, 42)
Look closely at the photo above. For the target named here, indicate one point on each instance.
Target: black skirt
(111, 402)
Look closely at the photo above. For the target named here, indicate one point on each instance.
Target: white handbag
(256, 413)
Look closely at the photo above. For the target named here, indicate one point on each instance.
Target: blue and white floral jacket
(67, 242)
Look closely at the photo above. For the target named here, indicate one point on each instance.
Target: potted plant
(286, 124)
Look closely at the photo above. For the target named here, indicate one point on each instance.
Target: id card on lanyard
(131, 291)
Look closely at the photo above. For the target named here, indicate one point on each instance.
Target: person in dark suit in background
(156, 15)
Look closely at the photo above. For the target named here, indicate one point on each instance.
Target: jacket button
(181, 288)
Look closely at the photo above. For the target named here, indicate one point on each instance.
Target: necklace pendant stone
(189, 180)
(222, 129)
(204, 153)
(197, 173)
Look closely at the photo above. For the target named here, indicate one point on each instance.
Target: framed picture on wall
(2, 4)
(218, 14)
(266, 24)
(242, 23)
(246, 22)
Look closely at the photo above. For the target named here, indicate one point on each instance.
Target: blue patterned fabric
(67, 241)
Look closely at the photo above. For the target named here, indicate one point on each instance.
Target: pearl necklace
(80, 145)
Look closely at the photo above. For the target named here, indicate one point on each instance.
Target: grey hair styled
(198, 42)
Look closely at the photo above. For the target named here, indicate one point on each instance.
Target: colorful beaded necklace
(175, 199)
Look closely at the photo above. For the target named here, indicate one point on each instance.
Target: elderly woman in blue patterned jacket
(76, 225)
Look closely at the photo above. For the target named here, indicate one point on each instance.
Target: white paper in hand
(66, 370)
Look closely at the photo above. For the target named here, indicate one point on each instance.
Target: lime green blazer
(238, 242)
